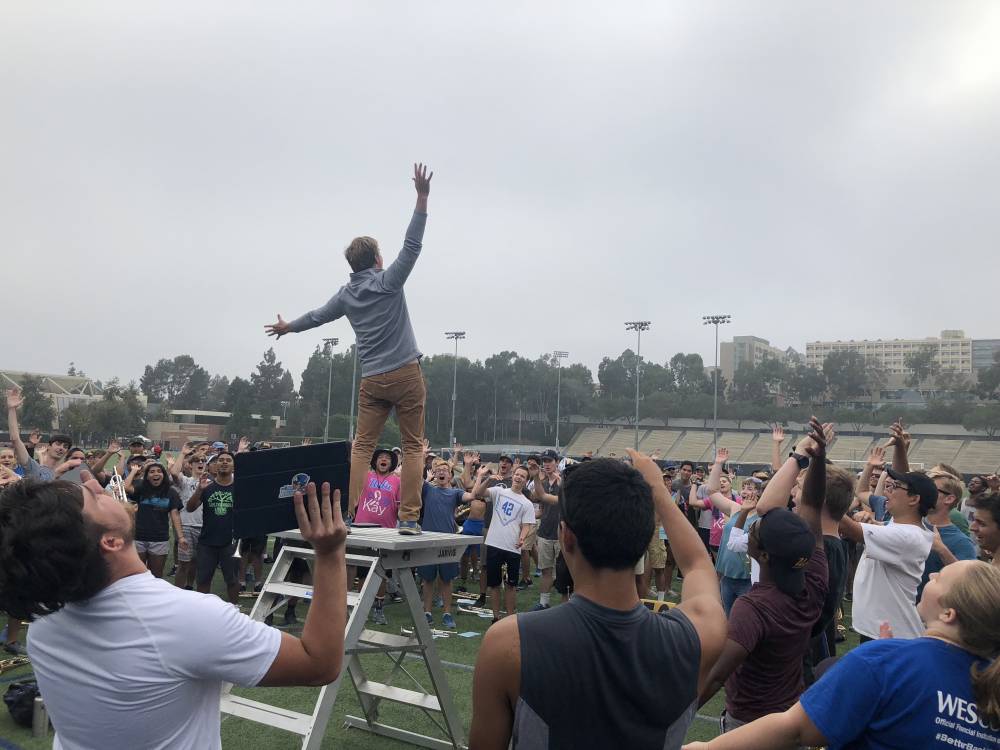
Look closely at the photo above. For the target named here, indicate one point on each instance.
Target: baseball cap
(919, 484)
(218, 444)
(136, 441)
(505, 457)
(550, 455)
(789, 545)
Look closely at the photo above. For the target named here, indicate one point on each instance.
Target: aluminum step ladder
(375, 552)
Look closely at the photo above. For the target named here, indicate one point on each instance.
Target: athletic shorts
(473, 527)
(211, 557)
(447, 572)
(656, 553)
(159, 549)
(255, 545)
(548, 551)
(495, 558)
(191, 533)
(529, 541)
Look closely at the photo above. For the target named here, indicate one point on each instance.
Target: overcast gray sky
(174, 174)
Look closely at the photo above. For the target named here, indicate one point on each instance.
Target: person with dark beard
(113, 666)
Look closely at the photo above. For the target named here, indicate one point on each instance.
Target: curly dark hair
(49, 551)
(609, 508)
(146, 489)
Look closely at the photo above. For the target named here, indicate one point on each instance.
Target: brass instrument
(116, 486)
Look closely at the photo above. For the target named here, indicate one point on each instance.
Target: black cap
(550, 455)
(505, 457)
(393, 458)
(789, 545)
(919, 484)
(137, 441)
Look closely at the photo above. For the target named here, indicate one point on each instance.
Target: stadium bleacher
(979, 457)
(736, 442)
(850, 448)
(693, 447)
(621, 441)
(660, 440)
(930, 451)
(588, 440)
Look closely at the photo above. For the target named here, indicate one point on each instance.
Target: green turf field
(459, 652)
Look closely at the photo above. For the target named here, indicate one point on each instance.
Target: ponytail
(986, 688)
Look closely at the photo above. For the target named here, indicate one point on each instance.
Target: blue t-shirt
(731, 564)
(960, 546)
(877, 503)
(894, 693)
(439, 508)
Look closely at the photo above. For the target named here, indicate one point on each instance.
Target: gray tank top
(593, 677)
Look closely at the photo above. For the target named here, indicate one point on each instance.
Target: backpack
(20, 700)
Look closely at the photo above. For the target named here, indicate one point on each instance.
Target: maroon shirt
(775, 629)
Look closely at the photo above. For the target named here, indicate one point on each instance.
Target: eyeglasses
(891, 485)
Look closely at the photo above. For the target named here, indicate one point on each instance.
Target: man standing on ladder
(374, 303)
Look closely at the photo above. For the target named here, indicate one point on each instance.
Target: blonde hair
(361, 253)
(976, 598)
(951, 485)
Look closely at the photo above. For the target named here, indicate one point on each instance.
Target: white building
(953, 351)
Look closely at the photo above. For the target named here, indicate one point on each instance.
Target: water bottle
(39, 719)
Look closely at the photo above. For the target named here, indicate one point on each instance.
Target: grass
(246, 735)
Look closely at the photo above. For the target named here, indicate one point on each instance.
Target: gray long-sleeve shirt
(374, 303)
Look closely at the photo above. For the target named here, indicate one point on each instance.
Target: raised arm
(901, 440)
(14, 401)
(721, 456)
(397, 273)
(876, 458)
(700, 599)
(814, 485)
(479, 489)
(195, 500)
(777, 438)
(114, 449)
(726, 504)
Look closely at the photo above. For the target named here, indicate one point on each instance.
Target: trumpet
(116, 486)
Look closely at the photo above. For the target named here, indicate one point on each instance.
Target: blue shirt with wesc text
(893, 693)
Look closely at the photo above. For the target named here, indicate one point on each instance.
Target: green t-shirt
(957, 518)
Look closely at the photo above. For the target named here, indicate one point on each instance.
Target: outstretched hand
(422, 180)
(278, 329)
(321, 522)
(815, 443)
(14, 398)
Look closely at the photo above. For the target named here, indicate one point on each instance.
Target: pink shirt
(719, 521)
(379, 502)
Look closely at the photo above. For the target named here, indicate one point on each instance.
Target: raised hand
(115, 447)
(15, 399)
(35, 437)
(648, 468)
(8, 476)
(306, 441)
(244, 445)
(722, 455)
(425, 446)
(422, 180)
(278, 329)
(876, 459)
(204, 481)
(458, 449)
(67, 466)
(993, 482)
(321, 523)
(778, 434)
(815, 443)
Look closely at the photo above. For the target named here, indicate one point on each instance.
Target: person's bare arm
(733, 654)
(114, 448)
(901, 441)
(495, 685)
(317, 657)
(479, 491)
(715, 474)
(876, 459)
(814, 485)
(789, 729)
(195, 500)
(14, 401)
(700, 599)
(880, 484)
(777, 438)
(779, 489)
(851, 530)
(175, 520)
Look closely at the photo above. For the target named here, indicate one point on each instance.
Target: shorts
(529, 541)
(191, 533)
(254, 545)
(495, 558)
(656, 553)
(447, 572)
(159, 549)
(548, 551)
(473, 527)
(640, 567)
(211, 557)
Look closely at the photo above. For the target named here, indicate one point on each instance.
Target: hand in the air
(321, 522)
(278, 329)
(422, 180)
(15, 399)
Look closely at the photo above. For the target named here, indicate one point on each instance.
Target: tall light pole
(715, 320)
(354, 393)
(456, 335)
(638, 326)
(560, 356)
(330, 343)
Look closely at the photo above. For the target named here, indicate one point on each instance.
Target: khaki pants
(402, 389)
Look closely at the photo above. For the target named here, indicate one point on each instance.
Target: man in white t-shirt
(126, 660)
(889, 572)
(186, 470)
(513, 520)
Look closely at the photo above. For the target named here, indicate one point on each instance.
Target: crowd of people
(610, 655)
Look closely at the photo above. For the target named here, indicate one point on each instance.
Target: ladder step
(387, 641)
(303, 591)
(262, 713)
(399, 695)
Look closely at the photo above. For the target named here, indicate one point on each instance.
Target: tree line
(508, 398)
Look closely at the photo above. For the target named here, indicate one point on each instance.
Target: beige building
(750, 349)
(953, 352)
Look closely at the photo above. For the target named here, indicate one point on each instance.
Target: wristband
(802, 461)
